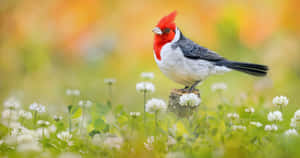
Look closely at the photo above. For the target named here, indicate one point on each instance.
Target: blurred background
(49, 46)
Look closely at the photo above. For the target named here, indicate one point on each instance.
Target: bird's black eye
(166, 30)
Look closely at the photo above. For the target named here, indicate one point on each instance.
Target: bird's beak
(157, 31)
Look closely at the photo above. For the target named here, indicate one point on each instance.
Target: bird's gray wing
(194, 51)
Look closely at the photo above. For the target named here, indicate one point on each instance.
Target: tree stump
(175, 107)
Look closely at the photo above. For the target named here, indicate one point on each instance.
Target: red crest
(168, 21)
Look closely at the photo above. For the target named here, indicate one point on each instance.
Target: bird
(187, 63)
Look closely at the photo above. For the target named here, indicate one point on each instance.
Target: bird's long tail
(252, 69)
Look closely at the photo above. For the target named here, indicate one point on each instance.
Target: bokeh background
(51, 45)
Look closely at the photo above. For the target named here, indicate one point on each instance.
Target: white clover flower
(69, 155)
(85, 103)
(280, 101)
(97, 139)
(16, 131)
(43, 123)
(20, 131)
(25, 138)
(42, 132)
(57, 118)
(149, 143)
(275, 116)
(175, 155)
(250, 110)
(25, 114)
(145, 87)
(110, 81)
(37, 107)
(190, 99)
(218, 87)
(113, 142)
(293, 122)
(10, 140)
(9, 114)
(291, 132)
(297, 115)
(13, 124)
(64, 136)
(171, 141)
(52, 128)
(155, 105)
(272, 127)
(147, 75)
(135, 114)
(239, 128)
(29, 147)
(12, 103)
(233, 116)
(257, 124)
(73, 92)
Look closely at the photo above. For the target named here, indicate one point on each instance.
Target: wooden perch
(174, 106)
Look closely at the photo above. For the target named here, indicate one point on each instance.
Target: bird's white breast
(183, 70)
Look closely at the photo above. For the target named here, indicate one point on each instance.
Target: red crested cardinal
(188, 63)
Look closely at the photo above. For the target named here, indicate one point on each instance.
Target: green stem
(109, 92)
(82, 120)
(34, 118)
(70, 122)
(145, 107)
(156, 123)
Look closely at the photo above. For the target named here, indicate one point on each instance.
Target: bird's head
(164, 32)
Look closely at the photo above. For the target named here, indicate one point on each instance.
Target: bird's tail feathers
(252, 69)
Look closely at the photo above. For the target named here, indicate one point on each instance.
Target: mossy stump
(175, 107)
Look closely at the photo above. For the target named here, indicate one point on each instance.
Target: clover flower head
(29, 147)
(43, 123)
(218, 87)
(73, 92)
(20, 131)
(239, 128)
(293, 122)
(25, 138)
(42, 132)
(280, 101)
(233, 116)
(257, 124)
(113, 142)
(171, 140)
(9, 114)
(145, 87)
(297, 115)
(85, 103)
(190, 99)
(149, 143)
(37, 107)
(110, 81)
(147, 75)
(57, 118)
(155, 105)
(275, 116)
(12, 103)
(52, 128)
(250, 110)
(291, 132)
(135, 114)
(272, 127)
(25, 114)
(64, 136)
